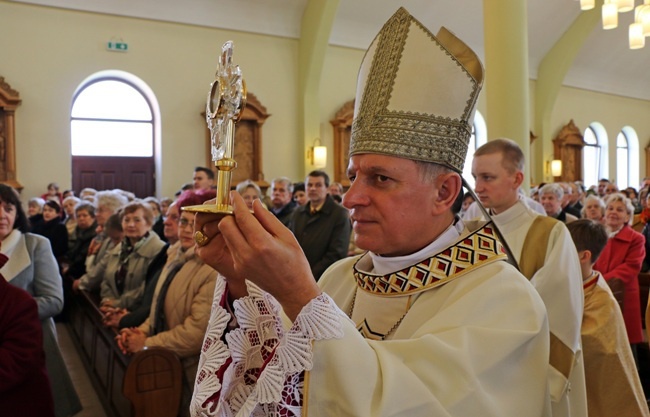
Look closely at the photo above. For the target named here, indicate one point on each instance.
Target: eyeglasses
(183, 222)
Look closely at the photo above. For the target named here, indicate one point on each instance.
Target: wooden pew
(642, 350)
(618, 289)
(108, 368)
(154, 383)
(103, 361)
(644, 287)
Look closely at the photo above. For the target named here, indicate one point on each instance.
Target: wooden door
(135, 174)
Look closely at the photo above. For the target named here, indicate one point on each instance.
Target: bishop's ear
(448, 186)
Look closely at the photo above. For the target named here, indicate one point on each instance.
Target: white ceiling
(605, 63)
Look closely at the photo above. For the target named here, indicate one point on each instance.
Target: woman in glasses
(180, 309)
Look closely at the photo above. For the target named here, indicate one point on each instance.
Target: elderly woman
(181, 304)
(594, 209)
(127, 263)
(84, 234)
(32, 267)
(107, 203)
(70, 222)
(139, 311)
(158, 220)
(551, 197)
(35, 211)
(249, 192)
(622, 258)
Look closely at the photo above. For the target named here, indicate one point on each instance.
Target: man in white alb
(546, 255)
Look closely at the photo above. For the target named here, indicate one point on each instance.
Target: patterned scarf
(160, 321)
(125, 255)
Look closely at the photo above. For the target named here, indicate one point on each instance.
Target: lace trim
(214, 354)
(266, 376)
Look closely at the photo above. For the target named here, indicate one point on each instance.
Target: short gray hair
(110, 199)
(36, 201)
(552, 189)
(597, 199)
(283, 180)
(429, 171)
(71, 198)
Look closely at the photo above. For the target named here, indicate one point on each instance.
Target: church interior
(558, 84)
(553, 64)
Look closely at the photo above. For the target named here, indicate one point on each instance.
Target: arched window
(594, 155)
(627, 158)
(478, 138)
(114, 133)
(111, 117)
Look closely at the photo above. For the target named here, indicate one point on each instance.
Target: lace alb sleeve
(268, 363)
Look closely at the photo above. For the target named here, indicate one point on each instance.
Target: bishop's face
(390, 204)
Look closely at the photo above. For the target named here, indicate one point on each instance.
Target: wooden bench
(642, 349)
(618, 289)
(123, 383)
(644, 287)
(154, 383)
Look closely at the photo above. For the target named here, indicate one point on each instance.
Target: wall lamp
(318, 154)
(554, 167)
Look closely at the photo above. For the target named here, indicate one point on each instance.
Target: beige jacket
(187, 308)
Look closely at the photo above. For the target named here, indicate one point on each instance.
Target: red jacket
(24, 386)
(622, 258)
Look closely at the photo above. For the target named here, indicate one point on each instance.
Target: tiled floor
(92, 407)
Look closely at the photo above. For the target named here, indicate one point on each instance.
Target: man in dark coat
(322, 227)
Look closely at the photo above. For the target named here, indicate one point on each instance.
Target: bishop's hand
(258, 247)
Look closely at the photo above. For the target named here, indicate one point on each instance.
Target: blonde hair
(618, 197)
(513, 158)
(244, 185)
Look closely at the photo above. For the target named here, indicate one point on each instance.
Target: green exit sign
(117, 46)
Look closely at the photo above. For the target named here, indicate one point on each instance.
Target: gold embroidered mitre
(416, 94)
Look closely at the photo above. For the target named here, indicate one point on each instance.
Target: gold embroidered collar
(478, 248)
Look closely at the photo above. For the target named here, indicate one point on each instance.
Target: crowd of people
(139, 256)
(627, 250)
(405, 297)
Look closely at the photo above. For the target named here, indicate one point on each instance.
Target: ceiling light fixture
(638, 30)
